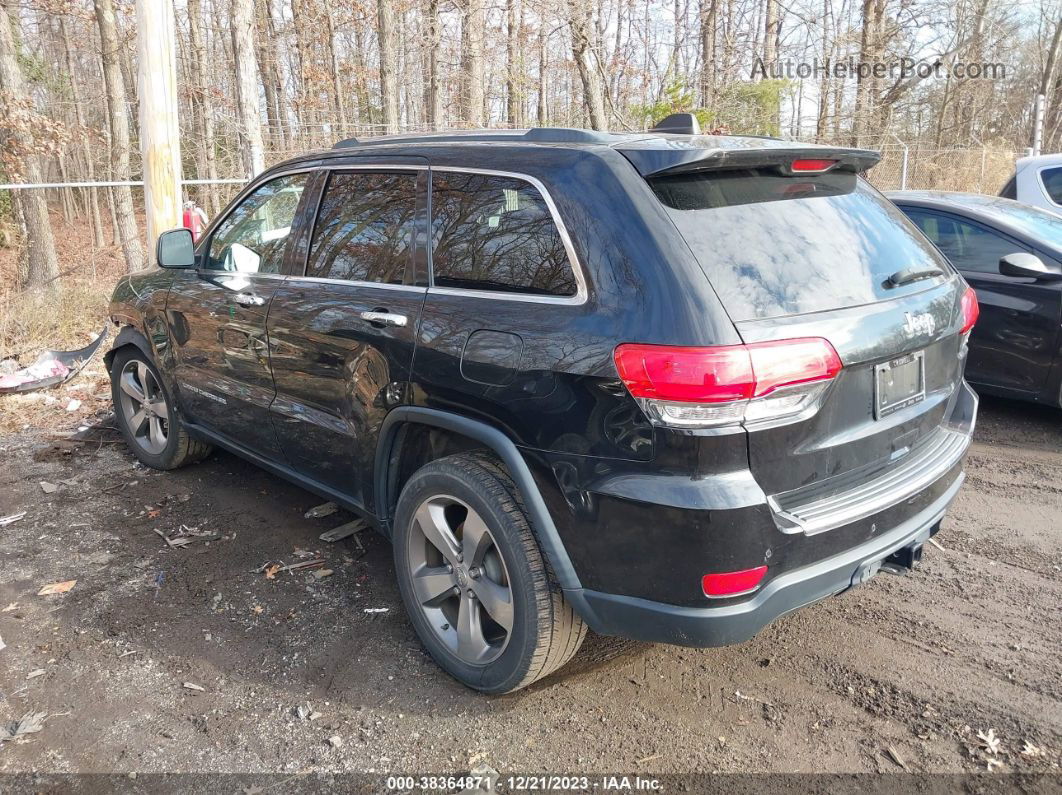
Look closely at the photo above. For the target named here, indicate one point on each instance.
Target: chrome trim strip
(892, 488)
(581, 292)
(357, 283)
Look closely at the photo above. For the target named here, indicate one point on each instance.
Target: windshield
(776, 245)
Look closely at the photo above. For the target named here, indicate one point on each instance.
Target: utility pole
(160, 144)
(1038, 125)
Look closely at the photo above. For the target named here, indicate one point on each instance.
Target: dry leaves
(57, 587)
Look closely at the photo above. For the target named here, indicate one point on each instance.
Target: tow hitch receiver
(902, 560)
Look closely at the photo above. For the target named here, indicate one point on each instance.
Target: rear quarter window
(776, 245)
(496, 233)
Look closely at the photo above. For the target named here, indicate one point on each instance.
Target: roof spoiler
(742, 153)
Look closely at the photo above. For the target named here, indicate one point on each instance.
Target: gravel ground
(956, 667)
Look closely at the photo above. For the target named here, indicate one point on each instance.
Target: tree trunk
(473, 22)
(579, 20)
(118, 116)
(242, 20)
(271, 82)
(92, 197)
(339, 95)
(432, 94)
(772, 24)
(388, 77)
(513, 79)
(203, 106)
(708, 23)
(540, 111)
(38, 265)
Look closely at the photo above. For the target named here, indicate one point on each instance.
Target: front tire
(147, 415)
(476, 587)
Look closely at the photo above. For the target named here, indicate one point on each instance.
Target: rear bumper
(658, 622)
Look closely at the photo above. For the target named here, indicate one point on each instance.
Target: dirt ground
(954, 668)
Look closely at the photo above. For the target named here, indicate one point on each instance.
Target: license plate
(899, 384)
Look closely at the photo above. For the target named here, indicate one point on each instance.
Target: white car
(1037, 181)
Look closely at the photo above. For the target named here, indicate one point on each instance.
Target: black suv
(663, 386)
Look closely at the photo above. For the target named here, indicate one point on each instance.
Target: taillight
(733, 583)
(970, 310)
(703, 387)
(808, 166)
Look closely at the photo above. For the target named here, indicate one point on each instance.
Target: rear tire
(147, 414)
(460, 524)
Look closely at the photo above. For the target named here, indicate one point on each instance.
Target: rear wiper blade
(908, 275)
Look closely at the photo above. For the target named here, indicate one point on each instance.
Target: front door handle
(248, 299)
(380, 318)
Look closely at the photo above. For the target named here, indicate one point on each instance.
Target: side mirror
(175, 249)
(1026, 265)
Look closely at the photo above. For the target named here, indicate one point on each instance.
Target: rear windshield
(776, 245)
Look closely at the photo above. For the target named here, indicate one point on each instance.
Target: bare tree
(473, 31)
(580, 22)
(118, 117)
(432, 89)
(39, 266)
(388, 78)
(242, 20)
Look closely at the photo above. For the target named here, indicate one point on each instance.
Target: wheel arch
(388, 447)
(129, 336)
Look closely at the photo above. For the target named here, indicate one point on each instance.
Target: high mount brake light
(702, 387)
(809, 166)
(970, 310)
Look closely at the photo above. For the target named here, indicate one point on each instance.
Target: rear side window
(969, 247)
(364, 229)
(1010, 190)
(776, 245)
(496, 233)
(1052, 180)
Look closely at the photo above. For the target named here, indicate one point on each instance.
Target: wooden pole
(160, 143)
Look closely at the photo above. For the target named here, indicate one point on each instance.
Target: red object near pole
(190, 219)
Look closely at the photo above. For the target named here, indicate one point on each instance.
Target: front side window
(253, 238)
(1052, 180)
(364, 229)
(970, 247)
(496, 233)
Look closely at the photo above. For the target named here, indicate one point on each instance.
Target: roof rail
(545, 135)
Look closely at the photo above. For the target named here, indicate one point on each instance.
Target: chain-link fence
(913, 167)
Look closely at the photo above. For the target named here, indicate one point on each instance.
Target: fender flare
(541, 521)
(129, 335)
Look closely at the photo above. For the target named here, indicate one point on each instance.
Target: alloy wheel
(144, 408)
(460, 580)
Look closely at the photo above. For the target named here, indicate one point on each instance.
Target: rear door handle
(248, 299)
(378, 318)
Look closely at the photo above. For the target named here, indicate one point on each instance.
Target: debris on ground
(57, 588)
(272, 568)
(185, 535)
(35, 674)
(306, 712)
(335, 741)
(51, 368)
(321, 511)
(376, 609)
(2, 644)
(10, 607)
(73, 405)
(320, 574)
(30, 723)
(989, 741)
(48, 488)
(193, 686)
(1028, 749)
(343, 531)
(11, 518)
(894, 755)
